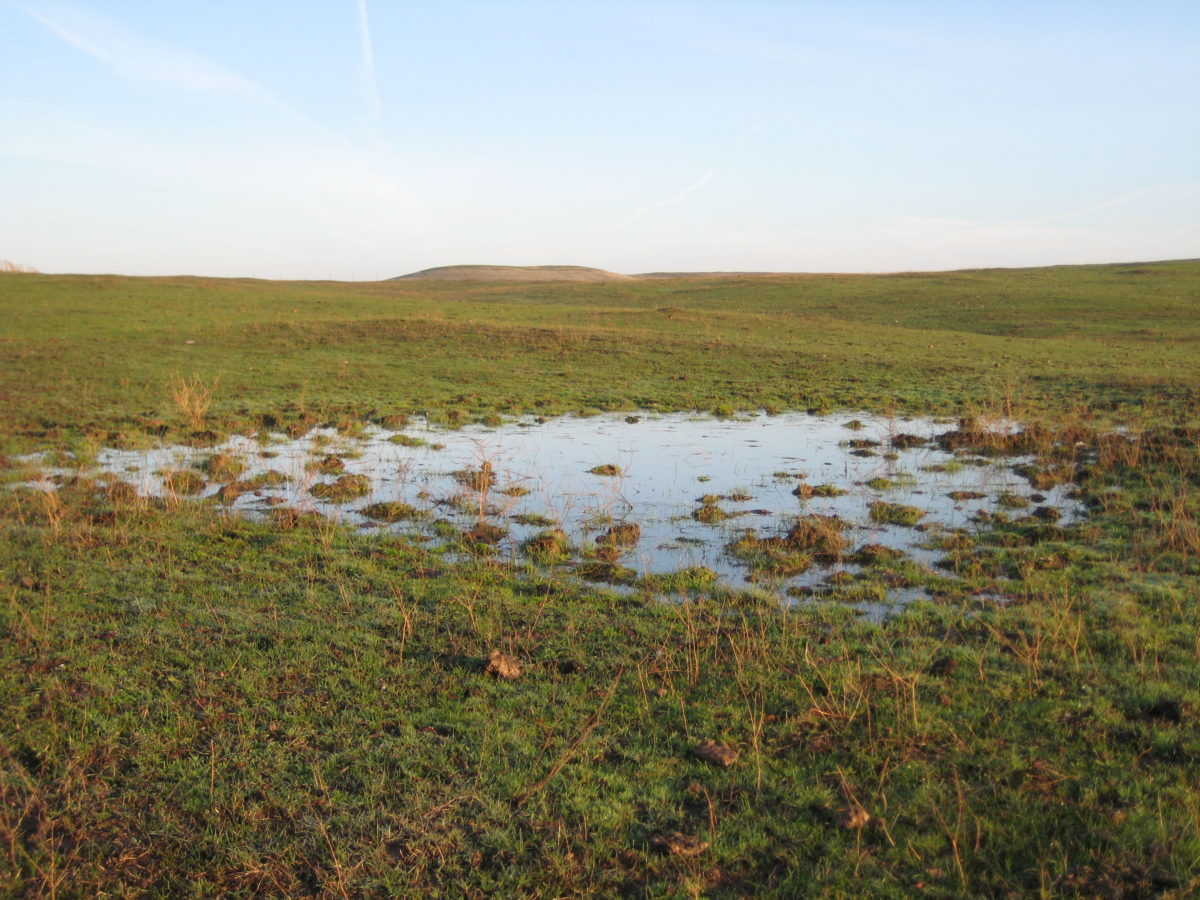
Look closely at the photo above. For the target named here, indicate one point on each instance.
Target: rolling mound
(515, 273)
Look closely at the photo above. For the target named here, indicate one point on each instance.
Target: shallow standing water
(748, 467)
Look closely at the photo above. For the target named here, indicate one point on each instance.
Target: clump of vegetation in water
(607, 469)
(768, 556)
(622, 534)
(880, 483)
(1044, 477)
(810, 539)
(550, 545)
(408, 440)
(483, 536)
(327, 465)
(1009, 500)
(894, 513)
(1047, 514)
(710, 514)
(828, 490)
(873, 554)
(822, 536)
(536, 520)
(268, 479)
(967, 495)
(805, 491)
(394, 511)
(723, 411)
(949, 467)
(223, 466)
(347, 487)
(478, 480)
(183, 481)
(605, 570)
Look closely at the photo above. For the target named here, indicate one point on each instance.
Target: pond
(786, 501)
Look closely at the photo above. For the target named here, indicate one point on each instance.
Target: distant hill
(584, 274)
(515, 273)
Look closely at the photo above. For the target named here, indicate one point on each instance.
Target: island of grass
(884, 513)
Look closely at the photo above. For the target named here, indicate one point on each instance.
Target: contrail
(1103, 204)
(145, 61)
(370, 85)
(642, 210)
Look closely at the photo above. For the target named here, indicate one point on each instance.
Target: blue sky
(359, 139)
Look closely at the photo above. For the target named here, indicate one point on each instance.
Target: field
(198, 704)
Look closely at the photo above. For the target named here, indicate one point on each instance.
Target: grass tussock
(193, 397)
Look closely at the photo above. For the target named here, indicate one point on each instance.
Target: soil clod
(718, 753)
(502, 667)
(678, 844)
(852, 818)
(943, 666)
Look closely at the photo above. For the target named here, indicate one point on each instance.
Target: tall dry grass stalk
(51, 504)
(9, 267)
(193, 398)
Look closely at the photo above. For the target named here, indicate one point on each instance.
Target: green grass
(197, 704)
(107, 353)
(895, 513)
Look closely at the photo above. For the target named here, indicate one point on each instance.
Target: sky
(358, 139)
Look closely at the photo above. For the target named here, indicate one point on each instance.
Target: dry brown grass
(193, 398)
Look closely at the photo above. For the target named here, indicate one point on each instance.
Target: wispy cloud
(370, 84)
(642, 210)
(1172, 191)
(146, 62)
(286, 173)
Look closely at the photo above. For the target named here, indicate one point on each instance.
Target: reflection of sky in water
(667, 463)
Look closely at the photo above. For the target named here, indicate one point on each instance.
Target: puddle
(692, 485)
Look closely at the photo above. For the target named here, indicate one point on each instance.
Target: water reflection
(691, 485)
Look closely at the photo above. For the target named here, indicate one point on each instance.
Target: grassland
(196, 704)
(100, 352)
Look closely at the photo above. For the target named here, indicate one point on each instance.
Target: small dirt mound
(717, 753)
(678, 844)
(502, 667)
